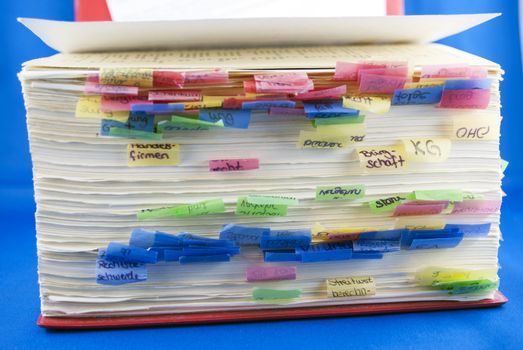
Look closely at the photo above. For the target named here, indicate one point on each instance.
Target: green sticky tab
(244, 207)
(439, 195)
(464, 287)
(387, 204)
(212, 206)
(277, 200)
(194, 121)
(330, 193)
(134, 134)
(338, 120)
(275, 294)
(155, 213)
(504, 165)
(469, 196)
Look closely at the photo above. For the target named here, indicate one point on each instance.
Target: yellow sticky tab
(207, 102)
(373, 104)
(427, 150)
(140, 77)
(423, 84)
(351, 132)
(382, 158)
(475, 128)
(347, 287)
(425, 224)
(312, 139)
(90, 107)
(320, 233)
(433, 275)
(152, 154)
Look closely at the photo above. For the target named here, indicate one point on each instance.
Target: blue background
(497, 40)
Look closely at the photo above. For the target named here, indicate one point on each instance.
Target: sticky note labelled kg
(330, 193)
(373, 104)
(427, 150)
(476, 128)
(346, 287)
(140, 77)
(382, 158)
(90, 107)
(152, 154)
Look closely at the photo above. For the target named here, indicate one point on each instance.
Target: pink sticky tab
(446, 71)
(175, 95)
(380, 84)
(343, 236)
(93, 79)
(233, 103)
(234, 164)
(418, 209)
(400, 71)
(467, 98)
(207, 76)
(477, 207)
(279, 111)
(333, 93)
(168, 78)
(293, 77)
(97, 89)
(346, 71)
(284, 87)
(121, 103)
(270, 273)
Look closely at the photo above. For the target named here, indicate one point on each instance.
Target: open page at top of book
(71, 37)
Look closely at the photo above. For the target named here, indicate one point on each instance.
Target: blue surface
(472, 329)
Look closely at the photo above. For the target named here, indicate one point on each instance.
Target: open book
(190, 181)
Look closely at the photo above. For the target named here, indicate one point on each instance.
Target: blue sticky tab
(284, 242)
(107, 124)
(191, 251)
(118, 272)
(408, 236)
(232, 118)
(367, 255)
(141, 121)
(421, 96)
(172, 254)
(204, 258)
(157, 108)
(327, 109)
(147, 239)
(280, 256)
(471, 229)
(268, 104)
(159, 251)
(467, 84)
(370, 245)
(435, 243)
(290, 233)
(383, 235)
(122, 252)
(325, 252)
(243, 235)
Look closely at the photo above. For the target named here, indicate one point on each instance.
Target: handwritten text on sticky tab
(126, 76)
(373, 104)
(475, 128)
(152, 154)
(345, 287)
(90, 107)
(327, 193)
(428, 150)
(233, 164)
(382, 158)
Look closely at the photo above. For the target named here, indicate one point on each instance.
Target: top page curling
(75, 37)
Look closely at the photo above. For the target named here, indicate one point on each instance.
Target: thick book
(194, 185)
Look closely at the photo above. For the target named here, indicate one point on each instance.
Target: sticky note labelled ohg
(373, 104)
(244, 207)
(427, 150)
(275, 294)
(434, 274)
(329, 193)
(467, 98)
(212, 206)
(475, 128)
(311, 139)
(346, 287)
(382, 158)
(152, 154)
(222, 165)
(90, 107)
(380, 84)
(140, 77)
(270, 273)
(477, 207)
(386, 204)
(118, 272)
